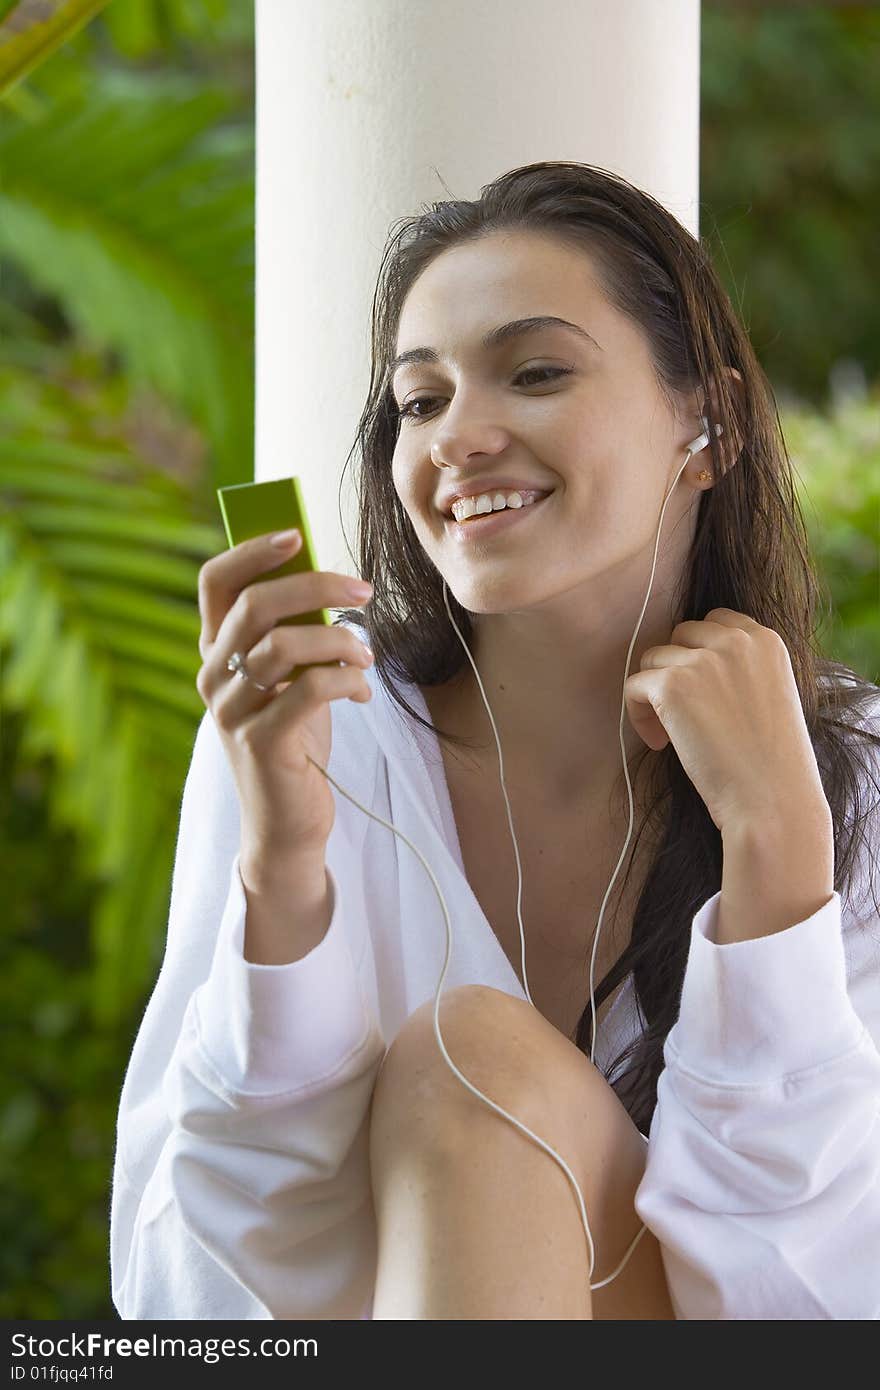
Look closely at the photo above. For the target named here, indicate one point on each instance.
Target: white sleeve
(241, 1177)
(763, 1171)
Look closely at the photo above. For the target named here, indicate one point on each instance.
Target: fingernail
(282, 538)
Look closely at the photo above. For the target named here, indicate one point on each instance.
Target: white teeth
(487, 502)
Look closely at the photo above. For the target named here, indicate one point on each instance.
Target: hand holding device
(281, 626)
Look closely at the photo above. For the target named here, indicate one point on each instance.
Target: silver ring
(236, 664)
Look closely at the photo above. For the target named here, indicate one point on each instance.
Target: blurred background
(126, 399)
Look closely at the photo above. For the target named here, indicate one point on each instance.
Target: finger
(656, 657)
(224, 576)
(714, 628)
(271, 657)
(256, 616)
(639, 691)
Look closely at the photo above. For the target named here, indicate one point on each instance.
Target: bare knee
(425, 1124)
(501, 1044)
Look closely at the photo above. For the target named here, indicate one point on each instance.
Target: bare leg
(491, 1231)
(474, 1219)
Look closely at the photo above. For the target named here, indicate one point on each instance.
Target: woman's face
(589, 424)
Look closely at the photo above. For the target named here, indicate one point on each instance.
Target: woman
(292, 1142)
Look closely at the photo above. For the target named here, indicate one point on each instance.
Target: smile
(478, 528)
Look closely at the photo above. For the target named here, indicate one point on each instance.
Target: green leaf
(99, 629)
(29, 33)
(132, 211)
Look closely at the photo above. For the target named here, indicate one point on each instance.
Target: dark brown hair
(749, 552)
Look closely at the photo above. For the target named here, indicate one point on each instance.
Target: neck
(555, 690)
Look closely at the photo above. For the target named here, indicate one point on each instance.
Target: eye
(540, 373)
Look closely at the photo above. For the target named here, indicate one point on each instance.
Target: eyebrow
(493, 339)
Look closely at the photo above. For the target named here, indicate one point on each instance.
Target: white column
(360, 105)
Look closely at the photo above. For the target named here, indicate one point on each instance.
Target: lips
(488, 524)
(477, 489)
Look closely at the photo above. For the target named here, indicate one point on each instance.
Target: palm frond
(136, 212)
(141, 28)
(99, 630)
(30, 31)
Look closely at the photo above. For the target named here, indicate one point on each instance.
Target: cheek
(401, 487)
(405, 497)
(413, 496)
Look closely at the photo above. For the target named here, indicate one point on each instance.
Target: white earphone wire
(694, 447)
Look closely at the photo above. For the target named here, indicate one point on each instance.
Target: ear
(732, 448)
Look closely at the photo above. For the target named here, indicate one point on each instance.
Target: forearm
(288, 908)
(776, 872)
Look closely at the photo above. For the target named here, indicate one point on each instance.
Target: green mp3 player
(257, 509)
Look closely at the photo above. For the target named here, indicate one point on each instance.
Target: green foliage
(126, 360)
(141, 29)
(29, 33)
(126, 328)
(134, 207)
(100, 550)
(62, 1076)
(101, 562)
(837, 458)
(789, 194)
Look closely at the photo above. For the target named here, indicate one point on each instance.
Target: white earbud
(703, 439)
